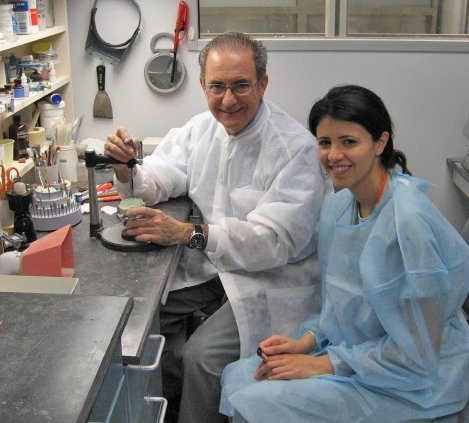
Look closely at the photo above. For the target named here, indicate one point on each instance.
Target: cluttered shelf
(22, 40)
(24, 102)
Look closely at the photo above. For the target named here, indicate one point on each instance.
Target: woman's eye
(323, 143)
(349, 141)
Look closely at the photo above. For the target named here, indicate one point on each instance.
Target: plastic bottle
(24, 83)
(52, 75)
(33, 16)
(18, 131)
(18, 89)
(6, 21)
(23, 17)
(46, 9)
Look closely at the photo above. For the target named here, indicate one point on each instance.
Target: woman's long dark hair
(355, 104)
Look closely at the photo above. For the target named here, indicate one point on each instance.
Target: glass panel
(406, 18)
(254, 17)
(376, 18)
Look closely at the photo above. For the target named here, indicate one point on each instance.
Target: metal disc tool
(115, 239)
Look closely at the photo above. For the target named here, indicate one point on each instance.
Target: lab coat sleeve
(164, 175)
(414, 307)
(282, 227)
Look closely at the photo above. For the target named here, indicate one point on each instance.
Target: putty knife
(102, 107)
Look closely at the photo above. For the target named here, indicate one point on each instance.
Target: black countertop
(139, 275)
(55, 350)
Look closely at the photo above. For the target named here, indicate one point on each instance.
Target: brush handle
(101, 74)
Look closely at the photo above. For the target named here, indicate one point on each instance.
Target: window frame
(332, 42)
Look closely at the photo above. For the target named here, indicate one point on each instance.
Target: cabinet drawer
(111, 404)
(153, 410)
(144, 381)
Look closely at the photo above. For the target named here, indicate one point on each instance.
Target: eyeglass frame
(230, 87)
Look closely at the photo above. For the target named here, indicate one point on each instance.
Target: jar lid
(41, 47)
(49, 105)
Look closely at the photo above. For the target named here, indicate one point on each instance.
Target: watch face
(197, 241)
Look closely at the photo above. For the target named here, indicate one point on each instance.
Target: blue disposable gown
(391, 320)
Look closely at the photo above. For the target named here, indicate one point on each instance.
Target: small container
(24, 83)
(51, 115)
(32, 4)
(68, 162)
(82, 175)
(52, 74)
(23, 17)
(6, 21)
(18, 131)
(7, 151)
(5, 97)
(18, 89)
(46, 12)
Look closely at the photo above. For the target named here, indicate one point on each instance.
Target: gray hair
(236, 41)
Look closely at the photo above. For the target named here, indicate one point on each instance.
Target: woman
(391, 343)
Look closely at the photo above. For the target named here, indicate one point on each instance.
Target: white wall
(427, 94)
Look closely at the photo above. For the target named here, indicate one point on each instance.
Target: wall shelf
(21, 46)
(23, 40)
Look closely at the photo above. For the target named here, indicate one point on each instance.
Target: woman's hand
(277, 344)
(153, 225)
(286, 358)
(293, 366)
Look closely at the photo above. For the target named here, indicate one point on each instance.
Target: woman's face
(349, 154)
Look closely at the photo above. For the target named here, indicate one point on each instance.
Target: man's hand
(156, 226)
(121, 146)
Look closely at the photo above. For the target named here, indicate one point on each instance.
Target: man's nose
(229, 97)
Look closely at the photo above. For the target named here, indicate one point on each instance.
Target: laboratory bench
(57, 362)
(142, 276)
(57, 352)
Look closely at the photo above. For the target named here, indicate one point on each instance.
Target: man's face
(234, 112)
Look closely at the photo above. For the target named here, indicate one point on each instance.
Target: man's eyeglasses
(238, 89)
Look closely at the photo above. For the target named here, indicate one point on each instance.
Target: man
(252, 172)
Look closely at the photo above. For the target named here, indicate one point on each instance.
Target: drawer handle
(156, 363)
(164, 405)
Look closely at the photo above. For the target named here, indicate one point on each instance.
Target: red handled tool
(181, 23)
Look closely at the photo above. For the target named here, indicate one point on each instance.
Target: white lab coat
(260, 192)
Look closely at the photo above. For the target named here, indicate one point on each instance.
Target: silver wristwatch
(197, 239)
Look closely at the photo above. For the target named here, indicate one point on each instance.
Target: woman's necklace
(379, 194)
(382, 186)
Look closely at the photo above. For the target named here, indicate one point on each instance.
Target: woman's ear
(381, 143)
